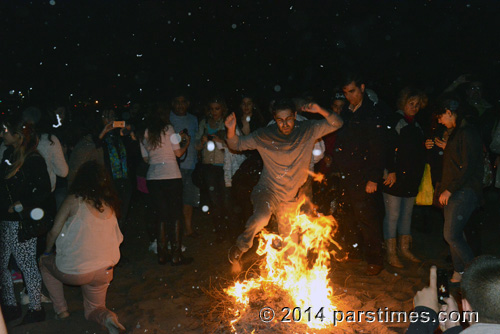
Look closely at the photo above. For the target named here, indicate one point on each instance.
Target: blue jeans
(397, 218)
(456, 214)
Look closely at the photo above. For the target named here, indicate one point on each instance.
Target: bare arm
(69, 205)
(180, 152)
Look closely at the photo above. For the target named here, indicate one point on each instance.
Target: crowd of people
(82, 167)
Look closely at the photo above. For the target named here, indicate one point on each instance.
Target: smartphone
(119, 124)
(442, 285)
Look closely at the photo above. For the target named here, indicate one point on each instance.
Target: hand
(461, 79)
(230, 121)
(313, 108)
(11, 208)
(390, 180)
(106, 129)
(429, 143)
(449, 307)
(440, 143)
(371, 187)
(444, 197)
(216, 139)
(428, 296)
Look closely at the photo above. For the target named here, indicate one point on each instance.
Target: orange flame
(300, 266)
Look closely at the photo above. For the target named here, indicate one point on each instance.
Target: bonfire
(292, 285)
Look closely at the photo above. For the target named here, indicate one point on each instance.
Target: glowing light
(58, 121)
(175, 138)
(210, 145)
(37, 214)
(277, 88)
(317, 152)
(204, 208)
(248, 118)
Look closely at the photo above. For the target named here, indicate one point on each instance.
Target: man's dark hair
(481, 287)
(283, 104)
(448, 101)
(353, 77)
(181, 94)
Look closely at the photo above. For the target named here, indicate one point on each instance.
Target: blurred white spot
(441, 153)
(36, 214)
(58, 120)
(11, 92)
(277, 88)
(355, 245)
(460, 217)
(175, 138)
(211, 188)
(52, 2)
(8, 162)
(316, 152)
(233, 26)
(139, 55)
(248, 118)
(210, 146)
(204, 208)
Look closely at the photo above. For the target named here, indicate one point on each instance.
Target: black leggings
(166, 197)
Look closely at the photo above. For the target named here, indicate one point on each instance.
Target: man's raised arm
(332, 118)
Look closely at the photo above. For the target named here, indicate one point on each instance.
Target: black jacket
(463, 161)
(359, 153)
(30, 185)
(405, 156)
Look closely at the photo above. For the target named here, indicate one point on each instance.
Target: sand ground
(153, 299)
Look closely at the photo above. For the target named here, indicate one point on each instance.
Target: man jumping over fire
(285, 148)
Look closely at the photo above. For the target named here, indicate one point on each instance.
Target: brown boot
(405, 245)
(392, 256)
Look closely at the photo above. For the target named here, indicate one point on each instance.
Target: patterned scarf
(117, 157)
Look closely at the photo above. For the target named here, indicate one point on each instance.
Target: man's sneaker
(234, 255)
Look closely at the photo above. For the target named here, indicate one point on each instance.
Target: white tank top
(88, 243)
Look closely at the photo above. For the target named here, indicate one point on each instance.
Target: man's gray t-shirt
(286, 158)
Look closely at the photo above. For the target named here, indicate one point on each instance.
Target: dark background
(120, 51)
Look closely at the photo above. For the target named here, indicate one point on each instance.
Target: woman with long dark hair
(87, 240)
(160, 148)
(24, 186)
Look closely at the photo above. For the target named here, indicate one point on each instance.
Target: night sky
(117, 51)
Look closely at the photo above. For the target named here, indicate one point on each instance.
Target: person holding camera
(160, 148)
(211, 141)
(480, 302)
(186, 123)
